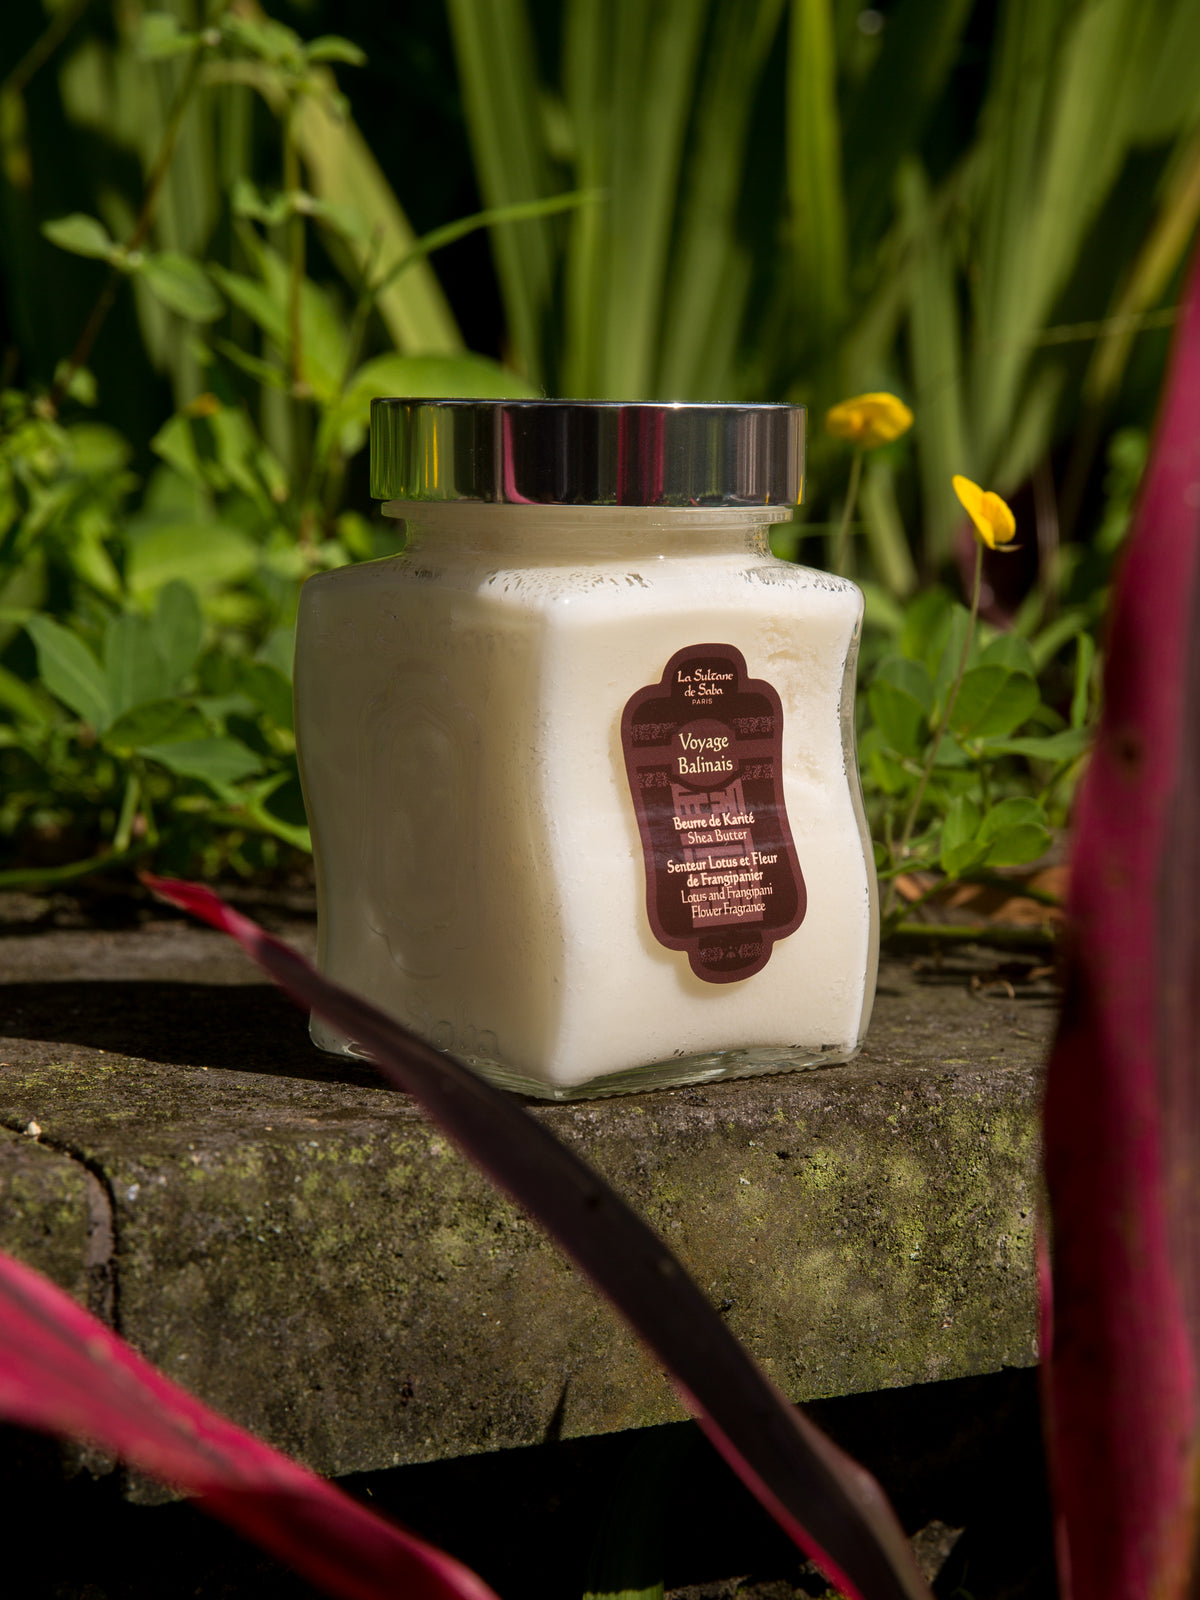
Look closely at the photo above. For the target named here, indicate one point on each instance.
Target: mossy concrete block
(295, 1243)
(50, 1212)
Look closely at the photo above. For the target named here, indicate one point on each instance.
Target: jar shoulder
(729, 578)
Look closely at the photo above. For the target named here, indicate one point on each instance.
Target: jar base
(711, 1066)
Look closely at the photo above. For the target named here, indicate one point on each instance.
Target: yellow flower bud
(869, 420)
(994, 521)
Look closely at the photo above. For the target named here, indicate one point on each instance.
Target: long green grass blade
(710, 262)
(493, 44)
(439, 238)
(1155, 264)
(943, 446)
(814, 168)
(1014, 133)
(919, 46)
(1068, 101)
(653, 87)
(886, 538)
(587, 73)
(340, 167)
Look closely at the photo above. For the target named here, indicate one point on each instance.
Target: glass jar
(579, 764)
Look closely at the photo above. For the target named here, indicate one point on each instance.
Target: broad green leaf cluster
(148, 596)
(967, 783)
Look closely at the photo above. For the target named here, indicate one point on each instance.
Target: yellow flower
(869, 419)
(994, 522)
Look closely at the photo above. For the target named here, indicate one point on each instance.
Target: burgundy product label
(704, 757)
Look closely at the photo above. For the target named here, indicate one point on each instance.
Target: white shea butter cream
(581, 777)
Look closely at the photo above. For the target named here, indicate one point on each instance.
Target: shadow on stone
(965, 1453)
(246, 1027)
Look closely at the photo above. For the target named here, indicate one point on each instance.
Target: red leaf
(831, 1507)
(64, 1372)
(1122, 1117)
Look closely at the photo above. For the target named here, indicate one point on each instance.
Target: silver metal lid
(587, 453)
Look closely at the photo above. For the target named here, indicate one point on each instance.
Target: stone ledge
(294, 1243)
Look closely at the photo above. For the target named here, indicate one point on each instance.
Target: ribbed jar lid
(587, 453)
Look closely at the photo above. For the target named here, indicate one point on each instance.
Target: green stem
(129, 802)
(47, 877)
(291, 185)
(910, 821)
(43, 48)
(841, 548)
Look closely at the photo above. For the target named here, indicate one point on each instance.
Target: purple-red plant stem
(1122, 1117)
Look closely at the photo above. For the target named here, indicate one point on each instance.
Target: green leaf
(885, 770)
(182, 285)
(926, 621)
(498, 70)
(279, 650)
(247, 200)
(70, 671)
(81, 384)
(266, 300)
(97, 450)
(919, 47)
(348, 221)
(707, 286)
(133, 667)
(1016, 832)
(205, 554)
(952, 755)
(993, 701)
(331, 47)
(1055, 747)
(1017, 847)
(155, 722)
(82, 236)
(263, 372)
(1085, 655)
(272, 42)
(160, 37)
(466, 377)
(949, 649)
(178, 628)
(216, 761)
(900, 700)
(880, 609)
(814, 168)
(911, 676)
(268, 688)
(340, 167)
(91, 561)
(1055, 635)
(25, 703)
(935, 341)
(176, 444)
(886, 538)
(960, 845)
(1008, 650)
